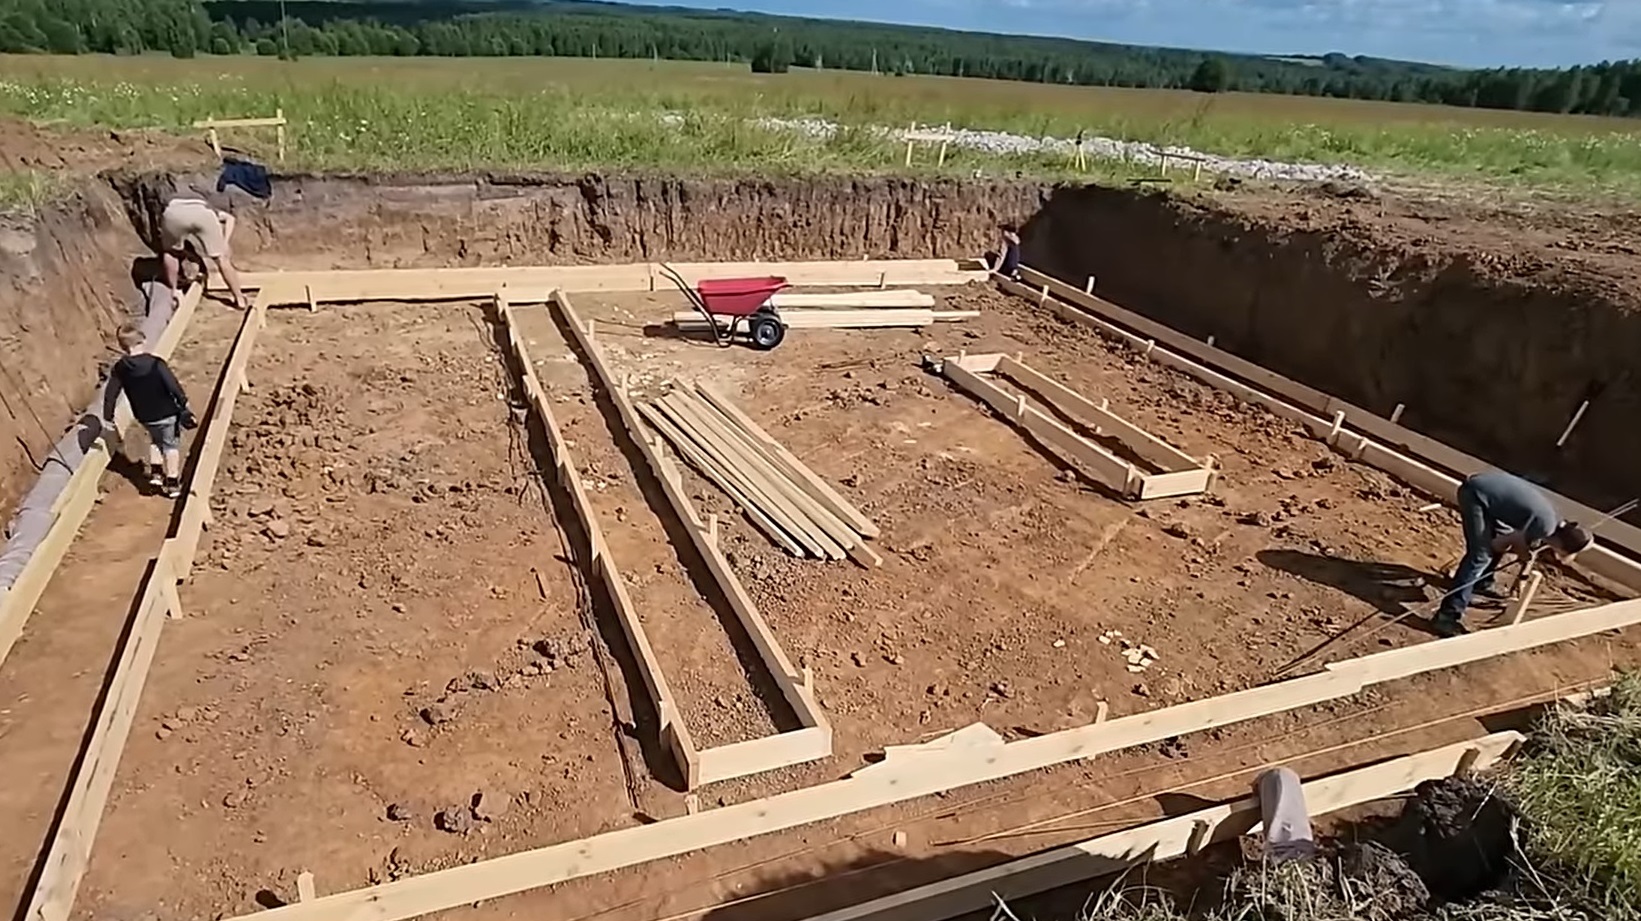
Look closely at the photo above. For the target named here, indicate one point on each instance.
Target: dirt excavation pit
(394, 661)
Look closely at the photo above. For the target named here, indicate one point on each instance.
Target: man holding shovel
(1502, 515)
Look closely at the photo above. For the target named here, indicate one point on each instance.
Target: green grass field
(380, 113)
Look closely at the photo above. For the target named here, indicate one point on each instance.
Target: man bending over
(190, 221)
(1502, 515)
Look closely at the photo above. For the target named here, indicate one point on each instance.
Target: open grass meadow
(573, 113)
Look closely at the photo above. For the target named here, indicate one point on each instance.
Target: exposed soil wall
(65, 288)
(1486, 356)
(355, 222)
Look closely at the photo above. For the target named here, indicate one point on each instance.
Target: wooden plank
(1166, 839)
(79, 496)
(1485, 644)
(720, 477)
(535, 284)
(1429, 449)
(771, 753)
(196, 503)
(276, 122)
(17, 604)
(419, 895)
(760, 467)
(794, 522)
(1179, 483)
(845, 273)
(688, 321)
(854, 299)
(518, 285)
(1098, 464)
(763, 639)
(979, 364)
(788, 463)
(53, 896)
(673, 732)
(1167, 457)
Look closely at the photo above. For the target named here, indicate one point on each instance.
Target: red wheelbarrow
(740, 299)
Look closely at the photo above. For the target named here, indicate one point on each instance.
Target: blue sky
(1480, 33)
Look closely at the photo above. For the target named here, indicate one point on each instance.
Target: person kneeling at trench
(1502, 515)
(158, 402)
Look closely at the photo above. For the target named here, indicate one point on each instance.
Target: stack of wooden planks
(778, 494)
(905, 309)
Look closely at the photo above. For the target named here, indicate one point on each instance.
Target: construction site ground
(388, 624)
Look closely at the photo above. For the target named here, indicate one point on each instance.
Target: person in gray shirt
(1502, 515)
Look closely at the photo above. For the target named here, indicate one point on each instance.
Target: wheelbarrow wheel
(766, 331)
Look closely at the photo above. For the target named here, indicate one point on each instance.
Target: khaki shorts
(190, 219)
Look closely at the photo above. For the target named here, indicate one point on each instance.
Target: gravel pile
(1002, 142)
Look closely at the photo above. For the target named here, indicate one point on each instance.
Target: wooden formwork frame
(1415, 459)
(698, 766)
(1180, 473)
(75, 502)
(76, 829)
(932, 772)
(68, 854)
(210, 125)
(1169, 838)
(811, 742)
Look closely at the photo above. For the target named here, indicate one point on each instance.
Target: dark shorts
(166, 433)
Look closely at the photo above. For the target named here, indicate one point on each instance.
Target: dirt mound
(1458, 837)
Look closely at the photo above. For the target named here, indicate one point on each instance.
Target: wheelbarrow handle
(694, 298)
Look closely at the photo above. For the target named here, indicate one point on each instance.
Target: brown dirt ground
(383, 548)
(419, 566)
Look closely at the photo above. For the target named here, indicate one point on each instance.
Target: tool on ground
(739, 299)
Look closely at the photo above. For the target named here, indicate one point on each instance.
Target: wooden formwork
(932, 770)
(814, 740)
(1176, 473)
(1415, 459)
(699, 766)
(70, 851)
(75, 502)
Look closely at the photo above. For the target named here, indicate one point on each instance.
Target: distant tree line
(770, 44)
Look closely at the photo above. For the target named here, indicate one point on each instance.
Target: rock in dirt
(439, 712)
(399, 812)
(490, 806)
(457, 820)
(278, 529)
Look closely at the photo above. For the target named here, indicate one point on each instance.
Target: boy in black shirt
(157, 401)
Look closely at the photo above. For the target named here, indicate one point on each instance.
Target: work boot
(1492, 593)
(1447, 625)
(172, 489)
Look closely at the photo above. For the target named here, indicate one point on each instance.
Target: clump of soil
(1457, 836)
